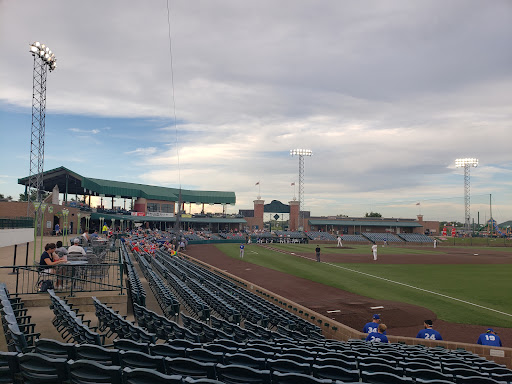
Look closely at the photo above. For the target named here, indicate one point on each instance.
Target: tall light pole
(466, 163)
(44, 59)
(301, 153)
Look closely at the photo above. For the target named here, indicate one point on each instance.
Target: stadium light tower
(301, 153)
(44, 59)
(466, 163)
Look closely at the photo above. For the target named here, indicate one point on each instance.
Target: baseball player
(242, 248)
(317, 251)
(379, 336)
(490, 338)
(428, 333)
(339, 242)
(374, 250)
(373, 325)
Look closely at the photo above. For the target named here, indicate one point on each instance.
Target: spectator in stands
(374, 250)
(372, 326)
(242, 249)
(429, 333)
(104, 230)
(379, 336)
(490, 338)
(48, 258)
(61, 251)
(317, 251)
(94, 235)
(339, 242)
(85, 236)
(76, 248)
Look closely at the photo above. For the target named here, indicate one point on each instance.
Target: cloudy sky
(385, 93)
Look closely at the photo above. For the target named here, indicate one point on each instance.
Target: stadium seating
(378, 237)
(324, 236)
(415, 238)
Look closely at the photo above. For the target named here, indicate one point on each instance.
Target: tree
(373, 214)
(3, 198)
(33, 196)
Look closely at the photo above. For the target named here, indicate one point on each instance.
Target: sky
(386, 94)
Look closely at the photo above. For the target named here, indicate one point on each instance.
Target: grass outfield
(486, 285)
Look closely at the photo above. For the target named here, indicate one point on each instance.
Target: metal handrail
(70, 278)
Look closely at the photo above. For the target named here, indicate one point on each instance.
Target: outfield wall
(334, 330)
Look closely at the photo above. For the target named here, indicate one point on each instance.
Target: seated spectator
(94, 235)
(428, 333)
(379, 336)
(61, 251)
(76, 248)
(490, 338)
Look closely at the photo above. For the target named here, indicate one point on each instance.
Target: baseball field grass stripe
(419, 289)
(463, 293)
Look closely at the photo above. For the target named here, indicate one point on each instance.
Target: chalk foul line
(403, 284)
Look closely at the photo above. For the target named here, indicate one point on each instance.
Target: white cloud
(386, 96)
(142, 151)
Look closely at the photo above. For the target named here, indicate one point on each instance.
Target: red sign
(454, 232)
(138, 213)
(444, 231)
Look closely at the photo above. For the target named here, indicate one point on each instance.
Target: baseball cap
(76, 241)
(491, 330)
(428, 322)
(377, 317)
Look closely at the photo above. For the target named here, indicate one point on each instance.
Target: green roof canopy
(74, 183)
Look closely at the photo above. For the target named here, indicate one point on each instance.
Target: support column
(294, 214)
(259, 208)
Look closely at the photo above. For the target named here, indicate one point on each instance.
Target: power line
(173, 96)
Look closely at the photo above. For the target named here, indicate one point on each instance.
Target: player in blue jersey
(372, 325)
(428, 333)
(379, 336)
(489, 338)
(242, 248)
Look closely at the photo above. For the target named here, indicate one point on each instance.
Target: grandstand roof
(80, 185)
(212, 220)
(367, 223)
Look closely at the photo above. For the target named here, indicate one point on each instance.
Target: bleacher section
(358, 238)
(415, 238)
(291, 234)
(315, 235)
(233, 236)
(377, 237)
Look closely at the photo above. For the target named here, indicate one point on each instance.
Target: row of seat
(324, 236)
(196, 361)
(167, 301)
(37, 368)
(415, 238)
(147, 262)
(118, 325)
(254, 308)
(137, 291)
(166, 329)
(388, 237)
(71, 324)
(18, 330)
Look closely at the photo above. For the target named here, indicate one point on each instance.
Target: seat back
(85, 372)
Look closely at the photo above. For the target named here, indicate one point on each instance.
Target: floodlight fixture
(301, 153)
(461, 163)
(467, 163)
(45, 53)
